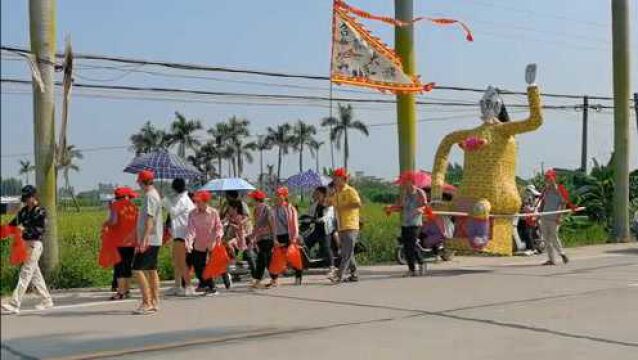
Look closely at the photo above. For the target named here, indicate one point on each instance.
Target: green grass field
(79, 246)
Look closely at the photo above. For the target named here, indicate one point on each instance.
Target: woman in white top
(179, 207)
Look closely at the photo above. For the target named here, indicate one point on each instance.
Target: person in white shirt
(179, 207)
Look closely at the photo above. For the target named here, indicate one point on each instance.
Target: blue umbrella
(228, 184)
(164, 164)
(305, 180)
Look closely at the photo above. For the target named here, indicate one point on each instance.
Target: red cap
(551, 174)
(145, 175)
(124, 191)
(282, 192)
(340, 172)
(202, 196)
(257, 195)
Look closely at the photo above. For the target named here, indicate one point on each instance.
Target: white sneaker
(8, 309)
(44, 305)
(189, 291)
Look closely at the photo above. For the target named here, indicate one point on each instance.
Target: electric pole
(42, 32)
(621, 54)
(406, 106)
(583, 153)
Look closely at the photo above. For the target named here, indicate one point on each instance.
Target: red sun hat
(120, 192)
(551, 174)
(257, 195)
(340, 172)
(145, 175)
(131, 193)
(282, 192)
(202, 196)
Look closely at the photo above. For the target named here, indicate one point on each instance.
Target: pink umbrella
(423, 180)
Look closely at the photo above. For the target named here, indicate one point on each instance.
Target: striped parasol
(164, 164)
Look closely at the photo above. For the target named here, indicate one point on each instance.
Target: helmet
(27, 192)
(532, 189)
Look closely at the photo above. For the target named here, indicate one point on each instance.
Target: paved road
(472, 308)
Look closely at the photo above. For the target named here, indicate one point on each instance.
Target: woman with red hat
(122, 222)
(411, 204)
(205, 230)
(286, 229)
(263, 235)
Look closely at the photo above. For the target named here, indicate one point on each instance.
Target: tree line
(227, 146)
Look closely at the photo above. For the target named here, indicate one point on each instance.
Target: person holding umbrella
(149, 241)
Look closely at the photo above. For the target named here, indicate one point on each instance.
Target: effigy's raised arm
(440, 162)
(535, 119)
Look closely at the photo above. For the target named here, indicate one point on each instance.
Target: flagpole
(406, 105)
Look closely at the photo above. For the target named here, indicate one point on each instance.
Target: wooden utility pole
(636, 109)
(583, 153)
(406, 106)
(621, 55)
(42, 32)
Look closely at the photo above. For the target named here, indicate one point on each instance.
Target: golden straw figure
(490, 154)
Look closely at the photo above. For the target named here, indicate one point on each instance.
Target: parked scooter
(431, 242)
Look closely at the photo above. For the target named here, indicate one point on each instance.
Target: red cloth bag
(278, 261)
(108, 255)
(293, 255)
(217, 262)
(19, 253)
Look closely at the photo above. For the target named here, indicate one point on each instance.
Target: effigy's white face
(491, 105)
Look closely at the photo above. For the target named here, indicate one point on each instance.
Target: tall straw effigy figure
(489, 177)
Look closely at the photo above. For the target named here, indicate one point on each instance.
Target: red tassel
(565, 195)
(429, 214)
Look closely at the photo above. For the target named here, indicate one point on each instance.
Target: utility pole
(636, 109)
(583, 153)
(621, 55)
(406, 106)
(42, 32)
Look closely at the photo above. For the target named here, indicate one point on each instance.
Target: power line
(195, 67)
(276, 96)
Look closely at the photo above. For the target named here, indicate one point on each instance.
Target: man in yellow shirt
(347, 203)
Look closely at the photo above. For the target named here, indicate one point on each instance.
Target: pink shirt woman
(204, 228)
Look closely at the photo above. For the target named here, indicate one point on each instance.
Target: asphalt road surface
(472, 308)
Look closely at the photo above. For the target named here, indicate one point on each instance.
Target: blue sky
(571, 45)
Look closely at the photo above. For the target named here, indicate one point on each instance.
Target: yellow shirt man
(347, 203)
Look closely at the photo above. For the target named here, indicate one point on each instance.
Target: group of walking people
(196, 227)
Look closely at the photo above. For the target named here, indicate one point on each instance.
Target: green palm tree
(182, 134)
(303, 135)
(340, 127)
(26, 167)
(148, 139)
(66, 164)
(220, 135)
(263, 144)
(314, 148)
(204, 159)
(238, 132)
(282, 138)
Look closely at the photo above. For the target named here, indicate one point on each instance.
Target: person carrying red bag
(262, 236)
(205, 230)
(286, 230)
(122, 224)
(31, 220)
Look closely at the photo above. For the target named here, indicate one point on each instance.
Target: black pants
(409, 236)
(263, 258)
(198, 259)
(249, 257)
(124, 269)
(325, 248)
(284, 240)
